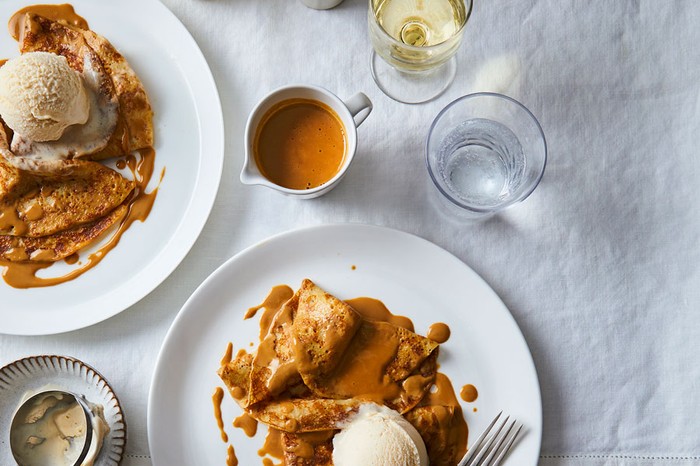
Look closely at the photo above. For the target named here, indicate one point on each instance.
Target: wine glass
(414, 44)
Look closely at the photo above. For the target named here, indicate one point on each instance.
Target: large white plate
(410, 275)
(189, 144)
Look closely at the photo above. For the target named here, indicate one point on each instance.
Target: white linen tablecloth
(600, 266)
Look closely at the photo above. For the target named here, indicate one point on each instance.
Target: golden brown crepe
(51, 203)
(304, 415)
(432, 423)
(310, 449)
(45, 35)
(60, 245)
(323, 327)
(119, 87)
(135, 126)
(35, 203)
(333, 343)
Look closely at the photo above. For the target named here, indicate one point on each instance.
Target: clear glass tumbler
(485, 152)
(414, 44)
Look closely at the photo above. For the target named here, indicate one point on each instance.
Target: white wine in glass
(414, 45)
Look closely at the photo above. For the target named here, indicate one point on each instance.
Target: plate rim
(210, 124)
(158, 366)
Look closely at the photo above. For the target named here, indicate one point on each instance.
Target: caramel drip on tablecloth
(23, 274)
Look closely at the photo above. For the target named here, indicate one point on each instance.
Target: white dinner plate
(412, 276)
(189, 143)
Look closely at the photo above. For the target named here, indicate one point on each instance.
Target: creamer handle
(360, 107)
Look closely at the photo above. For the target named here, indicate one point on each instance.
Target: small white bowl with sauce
(298, 144)
(56, 428)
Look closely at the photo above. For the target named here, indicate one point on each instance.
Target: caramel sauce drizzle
(307, 442)
(469, 393)
(72, 259)
(216, 399)
(23, 274)
(439, 332)
(375, 310)
(10, 220)
(279, 295)
(227, 356)
(247, 424)
(64, 14)
(273, 447)
(455, 427)
(231, 459)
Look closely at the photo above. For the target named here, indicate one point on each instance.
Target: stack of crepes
(55, 197)
(320, 360)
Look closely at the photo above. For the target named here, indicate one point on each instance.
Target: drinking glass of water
(485, 152)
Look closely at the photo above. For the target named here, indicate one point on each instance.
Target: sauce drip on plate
(439, 332)
(469, 393)
(231, 459)
(64, 14)
(141, 165)
(247, 424)
(216, 399)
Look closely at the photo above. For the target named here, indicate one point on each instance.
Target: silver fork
(491, 447)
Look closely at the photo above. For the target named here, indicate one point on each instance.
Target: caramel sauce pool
(279, 295)
(300, 144)
(24, 274)
(273, 447)
(64, 14)
(469, 393)
(439, 332)
(375, 310)
(454, 427)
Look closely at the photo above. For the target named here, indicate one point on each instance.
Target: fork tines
(493, 444)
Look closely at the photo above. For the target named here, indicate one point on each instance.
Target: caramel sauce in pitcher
(300, 144)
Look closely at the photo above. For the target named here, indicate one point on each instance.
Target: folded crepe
(303, 376)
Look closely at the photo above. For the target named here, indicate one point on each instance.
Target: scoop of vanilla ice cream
(378, 436)
(41, 95)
